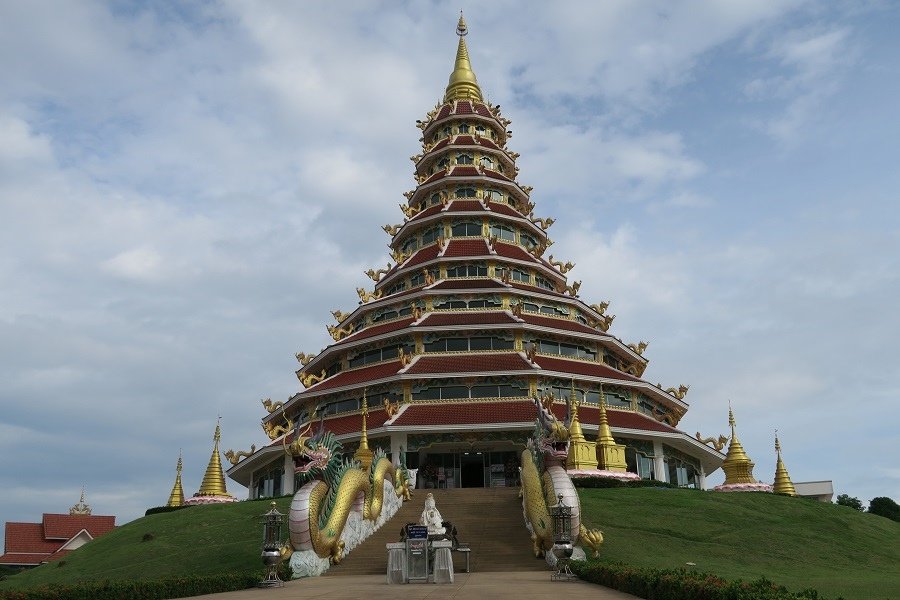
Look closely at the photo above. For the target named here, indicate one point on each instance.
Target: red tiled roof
(534, 288)
(579, 367)
(492, 317)
(476, 247)
(487, 142)
(462, 284)
(566, 324)
(356, 376)
(423, 255)
(504, 209)
(464, 171)
(514, 252)
(464, 413)
(445, 111)
(464, 140)
(466, 205)
(435, 176)
(624, 419)
(482, 110)
(431, 210)
(464, 107)
(353, 423)
(29, 538)
(23, 558)
(496, 175)
(440, 144)
(65, 526)
(469, 363)
(378, 329)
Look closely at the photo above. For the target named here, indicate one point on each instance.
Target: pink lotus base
(743, 487)
(620, 475)
(210, 500)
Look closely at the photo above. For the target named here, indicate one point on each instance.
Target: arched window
(448, 131)
(493, 196)
(464, 159)
(467, 271)
(486, 162)
(503, 232)
(465, 192)
(430, 235)
(464, 128)
(480, 130)
(527, 241)
(435, 199)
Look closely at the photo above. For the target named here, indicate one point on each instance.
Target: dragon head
(553, 438)
(313, 454)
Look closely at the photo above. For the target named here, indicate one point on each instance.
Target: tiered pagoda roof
(471, 318)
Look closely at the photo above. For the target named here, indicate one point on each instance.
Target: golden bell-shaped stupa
(176, 497)
(737, 466)
(463, 85)
(783, 483)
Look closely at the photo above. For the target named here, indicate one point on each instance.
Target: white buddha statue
(431, 517)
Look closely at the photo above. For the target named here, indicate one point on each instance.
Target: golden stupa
(212, 489)
(581, 452)
(738, 467)
(463, 85)
(783, 483)
(610, 455)
(176, 497)
(364, 454)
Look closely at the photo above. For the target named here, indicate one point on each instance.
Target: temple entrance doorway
(472, 468)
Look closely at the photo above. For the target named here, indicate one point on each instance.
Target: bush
(606, 482)
(679, 584)
(845, 500)
(885, 507)
(180, 587)
(164, 509)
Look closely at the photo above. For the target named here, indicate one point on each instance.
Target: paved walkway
(496, 586)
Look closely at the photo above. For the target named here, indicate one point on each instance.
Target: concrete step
(488, 520)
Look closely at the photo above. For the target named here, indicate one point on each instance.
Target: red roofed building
(30, 544)
(467, 326)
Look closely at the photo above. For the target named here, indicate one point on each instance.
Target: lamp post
(271, 547)
(562, 539)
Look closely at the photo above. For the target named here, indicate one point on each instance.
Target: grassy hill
(794, 542)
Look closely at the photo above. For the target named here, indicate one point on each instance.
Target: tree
(885, 507)
(845, 500)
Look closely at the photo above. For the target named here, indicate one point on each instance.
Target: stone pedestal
(396, 567)
(443, 561)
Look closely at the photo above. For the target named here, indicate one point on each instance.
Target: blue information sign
(417, 532)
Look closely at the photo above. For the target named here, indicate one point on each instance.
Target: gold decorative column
(581, 455)
(176, 497)
(212, 488)
(363, 454)
(783, 483)
(737, 466)
(610, 455)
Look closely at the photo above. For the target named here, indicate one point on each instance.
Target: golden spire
(581, 452)
(610, 455)
(213, 483)
(363, 454)
(81, 508)
(575, 433)
(176, 498)
(737, 465)
(783, 483)
(463, 85)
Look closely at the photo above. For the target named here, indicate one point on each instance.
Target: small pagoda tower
(581, 452)
(212, 489)
(364, 454)
(783, 483)
(176, 497)
(738, 467)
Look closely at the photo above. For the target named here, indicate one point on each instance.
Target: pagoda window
(385, 315)
(467, 271)
(499, 391)
(464, 128)
(486, 162)
(341, 406)
(503, 232)
(543, 282)
(334, 369)
(493, 196)
(480, 130)
(450, 304)
(520, 275)
(464, 159)
(645, 407)
(430, 235)
(616, 400)
(564, 349)
(465, 192)
(443, 164)
(410, 245)
(448, 131)
(379, 354)
(434, 199)
(581, 318)
(612, 360)
(466, 229)
(527, 241)
(397, 287)
(468, 344)
(268, 482)
(485, 303)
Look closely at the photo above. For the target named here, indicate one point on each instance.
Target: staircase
(489, 520)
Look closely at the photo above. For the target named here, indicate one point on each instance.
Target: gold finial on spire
(783, 483)
(363, 454)
(213, 483)
(81, 508)
(737, 465)
(463, 84)
(176, 497)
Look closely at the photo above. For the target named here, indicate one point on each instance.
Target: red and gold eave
(416, 279)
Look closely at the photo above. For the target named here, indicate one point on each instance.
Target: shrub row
(179, 587)
(606, 482)
(164, 509)
(680, 584)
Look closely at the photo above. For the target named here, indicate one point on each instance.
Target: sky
(187, 190)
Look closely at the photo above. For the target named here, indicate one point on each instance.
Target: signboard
(416, 532)
(417, 558)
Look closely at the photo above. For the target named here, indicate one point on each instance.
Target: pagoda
(738, 467)
(212, 488)
(467, 324)
(783, 483)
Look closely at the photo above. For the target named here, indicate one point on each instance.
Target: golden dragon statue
(338, 333)
(271, 406)
(391, 230)
(563, 267)
(275, 431)
(639, 347)
(543, 223)
(340, 316)
(544, 479)
(679, 393)
(365, 296)
(377, 275)
(303, 358)
(333, 489)
(235, 457)
(718, 444)
(308, 379)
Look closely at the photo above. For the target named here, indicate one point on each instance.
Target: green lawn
(797, 543)
(794, 542)
(201, 540)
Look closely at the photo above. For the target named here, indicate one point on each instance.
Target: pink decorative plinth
(620, 475)
(210, 500)
(743, 487)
